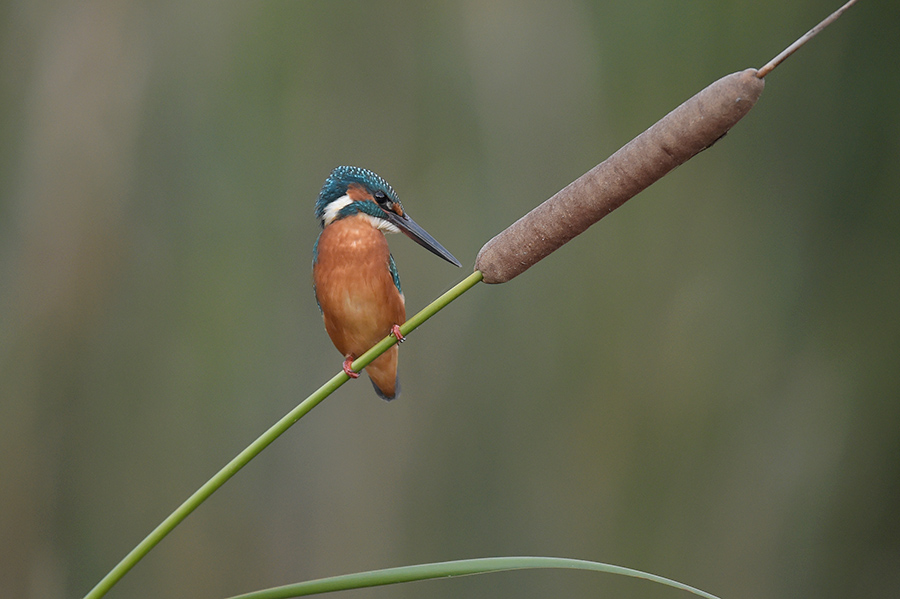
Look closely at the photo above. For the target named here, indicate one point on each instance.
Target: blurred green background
(705, 385)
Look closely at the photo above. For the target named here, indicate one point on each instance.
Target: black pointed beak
(409, 228)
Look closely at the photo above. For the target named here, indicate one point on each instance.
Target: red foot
(395, 331)
(350, 372)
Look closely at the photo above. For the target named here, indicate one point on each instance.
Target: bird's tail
(383, 374)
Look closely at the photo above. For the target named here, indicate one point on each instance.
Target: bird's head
(351, 190)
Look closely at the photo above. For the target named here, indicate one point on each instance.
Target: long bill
(409, 228)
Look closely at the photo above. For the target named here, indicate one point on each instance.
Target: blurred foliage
(704, 386)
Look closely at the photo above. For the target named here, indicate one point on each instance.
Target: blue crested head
(342, 177)
(351, 191)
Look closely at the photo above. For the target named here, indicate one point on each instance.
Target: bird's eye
(382, 199)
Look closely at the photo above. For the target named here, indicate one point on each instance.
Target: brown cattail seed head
(681, 134)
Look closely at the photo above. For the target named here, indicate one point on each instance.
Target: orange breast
(357, 294)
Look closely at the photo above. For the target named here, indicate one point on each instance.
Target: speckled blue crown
(340, 178)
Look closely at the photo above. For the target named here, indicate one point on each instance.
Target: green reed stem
(264, 440)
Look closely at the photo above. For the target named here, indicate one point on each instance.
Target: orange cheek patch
(358, 193)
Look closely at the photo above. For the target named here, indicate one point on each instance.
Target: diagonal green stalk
(413, 323)
(264, 440)
(463, 567)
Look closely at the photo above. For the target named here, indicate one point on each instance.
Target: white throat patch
(332, 209)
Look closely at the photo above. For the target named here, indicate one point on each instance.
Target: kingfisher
(354, 276)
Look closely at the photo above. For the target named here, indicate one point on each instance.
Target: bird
(355, 279)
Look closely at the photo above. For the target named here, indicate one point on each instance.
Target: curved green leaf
(463, 567)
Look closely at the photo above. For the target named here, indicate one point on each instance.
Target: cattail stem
(264, 440)
(770, 66)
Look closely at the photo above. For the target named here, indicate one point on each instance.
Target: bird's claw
(395, 331)
(348, 362)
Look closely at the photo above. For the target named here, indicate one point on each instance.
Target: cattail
(692, 127)
(677, 137)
